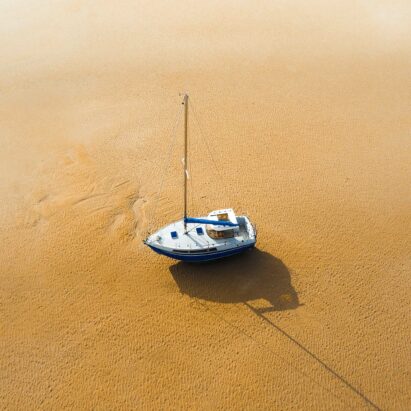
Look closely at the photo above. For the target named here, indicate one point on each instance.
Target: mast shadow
(249, 276)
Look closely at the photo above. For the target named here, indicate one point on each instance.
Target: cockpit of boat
(216, 234)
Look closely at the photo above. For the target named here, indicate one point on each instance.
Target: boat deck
(173, 237)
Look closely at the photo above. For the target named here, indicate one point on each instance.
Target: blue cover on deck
(206, 221)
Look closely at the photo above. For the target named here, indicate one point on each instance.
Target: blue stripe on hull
(203, 257)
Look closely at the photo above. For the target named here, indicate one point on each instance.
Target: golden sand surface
(306, 109)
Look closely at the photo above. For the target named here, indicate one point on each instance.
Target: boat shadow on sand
(252, 275)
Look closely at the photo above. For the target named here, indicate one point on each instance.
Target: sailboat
(220, 234)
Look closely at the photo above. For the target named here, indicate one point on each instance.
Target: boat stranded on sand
(218, 235)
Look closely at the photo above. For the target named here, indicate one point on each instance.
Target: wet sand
(306, 110)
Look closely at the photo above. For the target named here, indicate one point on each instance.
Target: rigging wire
(229, 193)
(157, 196)
(173, 135)
(191, 182)
(190, 185)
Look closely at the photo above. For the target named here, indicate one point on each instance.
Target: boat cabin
(217, 231)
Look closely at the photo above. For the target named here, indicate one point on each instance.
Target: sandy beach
(306, 109)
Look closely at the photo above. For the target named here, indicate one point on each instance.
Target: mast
(185, 102)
